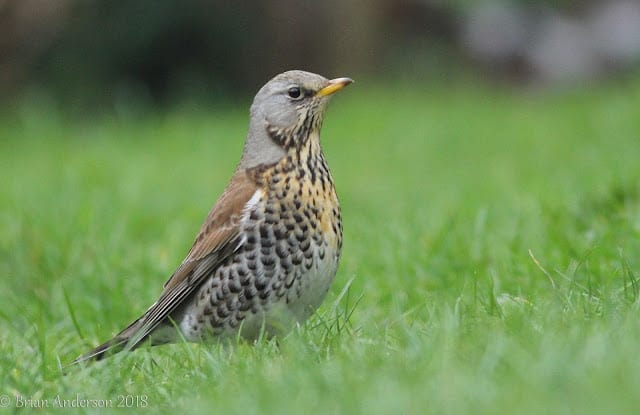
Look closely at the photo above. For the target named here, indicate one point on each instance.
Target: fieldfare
(269, 249)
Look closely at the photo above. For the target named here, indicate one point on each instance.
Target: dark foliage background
(88, 52)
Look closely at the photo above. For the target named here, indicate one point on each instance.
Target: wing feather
(219, 238)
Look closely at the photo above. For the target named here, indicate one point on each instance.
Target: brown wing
(221, 224)
(218, 238)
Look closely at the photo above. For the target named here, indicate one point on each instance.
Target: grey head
(287, 109)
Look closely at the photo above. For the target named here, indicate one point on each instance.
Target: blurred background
(486, 159)
(94, 54)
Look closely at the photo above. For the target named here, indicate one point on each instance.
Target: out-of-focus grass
(491, 257)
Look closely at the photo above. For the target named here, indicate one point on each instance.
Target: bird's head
(285, 113)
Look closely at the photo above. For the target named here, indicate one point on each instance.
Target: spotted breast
(287, 259)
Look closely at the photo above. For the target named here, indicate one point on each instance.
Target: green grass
(490, 265)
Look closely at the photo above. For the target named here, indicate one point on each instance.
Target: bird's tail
(115, 345)
(118, 343)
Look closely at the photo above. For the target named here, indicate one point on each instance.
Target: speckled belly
(279, 275)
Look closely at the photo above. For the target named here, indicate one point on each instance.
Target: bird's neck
(304, 161)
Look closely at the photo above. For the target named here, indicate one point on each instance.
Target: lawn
(491, 261)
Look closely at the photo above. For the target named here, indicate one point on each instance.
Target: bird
(268, 251)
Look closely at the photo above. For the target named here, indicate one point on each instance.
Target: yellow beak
(334, 85)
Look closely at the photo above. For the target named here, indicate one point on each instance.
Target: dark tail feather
(117, 344)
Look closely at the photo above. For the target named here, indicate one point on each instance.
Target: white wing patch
(246, 213)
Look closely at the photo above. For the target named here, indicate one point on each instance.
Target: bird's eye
(294, 92)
